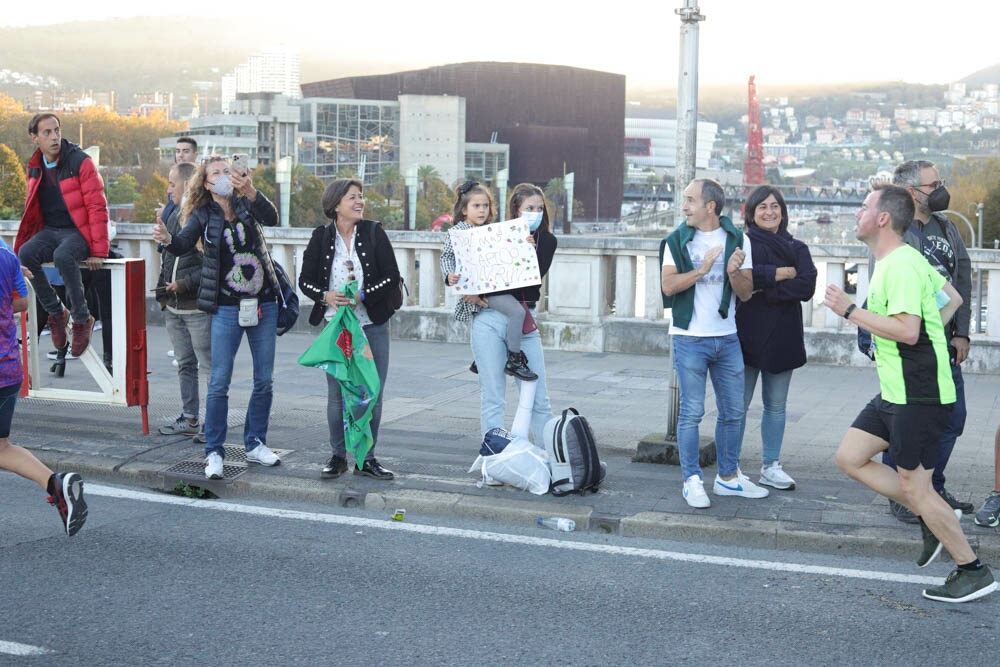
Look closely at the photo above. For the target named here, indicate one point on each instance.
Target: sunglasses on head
(468, 185)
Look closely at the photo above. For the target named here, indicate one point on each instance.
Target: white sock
(522, 418)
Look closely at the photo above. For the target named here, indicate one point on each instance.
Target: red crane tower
(753, 166)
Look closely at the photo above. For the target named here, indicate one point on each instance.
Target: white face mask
(223, 186)
(533, 218)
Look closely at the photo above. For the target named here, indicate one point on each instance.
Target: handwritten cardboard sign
(495, 257)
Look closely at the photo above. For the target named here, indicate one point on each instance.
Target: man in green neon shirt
(908, 304)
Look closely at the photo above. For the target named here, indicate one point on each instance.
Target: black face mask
(939, 199)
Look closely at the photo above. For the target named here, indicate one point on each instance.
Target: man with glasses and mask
(937, 238)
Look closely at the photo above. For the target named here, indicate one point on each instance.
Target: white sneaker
(774, 476)
(262, 455)
(213, 466)
(694, 493)
(738, 486)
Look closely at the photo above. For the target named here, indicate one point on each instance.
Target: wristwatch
(850, 309)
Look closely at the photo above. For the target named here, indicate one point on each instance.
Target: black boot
(517, 365)
(473, 367)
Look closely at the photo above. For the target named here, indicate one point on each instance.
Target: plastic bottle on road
(558, 523)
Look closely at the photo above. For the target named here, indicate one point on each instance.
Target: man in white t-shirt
(706, 266)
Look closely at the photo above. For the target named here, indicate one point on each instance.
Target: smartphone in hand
(241, 163)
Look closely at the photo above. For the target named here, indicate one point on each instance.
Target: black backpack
(573, 460)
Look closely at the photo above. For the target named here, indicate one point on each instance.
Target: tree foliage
(152, 195)
(125, 141)
(13, 185)
(305, 205)
(123, 190)
(971, 182)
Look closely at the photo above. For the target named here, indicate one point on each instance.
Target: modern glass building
(357, 136)
(542, 120)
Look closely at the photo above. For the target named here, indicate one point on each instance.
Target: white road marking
(13, 648)
(387, 524)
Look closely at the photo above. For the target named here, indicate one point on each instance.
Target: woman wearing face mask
(222, 209)
(489, 332)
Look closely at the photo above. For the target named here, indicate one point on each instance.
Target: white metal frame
(111, 388)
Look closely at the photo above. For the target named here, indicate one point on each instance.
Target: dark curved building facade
(554, 118)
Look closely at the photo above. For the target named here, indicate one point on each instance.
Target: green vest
(683, 302)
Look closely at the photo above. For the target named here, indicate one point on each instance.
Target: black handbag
(288, 298)
(397, 295)
(288, 308)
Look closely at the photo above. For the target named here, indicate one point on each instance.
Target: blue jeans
(774, 393)
(227, 335)
(955, 428)
(695, 358)
(378, 340)
(489, 348)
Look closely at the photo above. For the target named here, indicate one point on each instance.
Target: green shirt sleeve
(905, 287)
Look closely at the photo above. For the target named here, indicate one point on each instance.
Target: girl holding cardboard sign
(474, 207)
(489, 331)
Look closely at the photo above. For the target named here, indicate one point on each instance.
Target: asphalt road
(159, 579)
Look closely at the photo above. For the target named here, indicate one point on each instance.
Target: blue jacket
(769, 324)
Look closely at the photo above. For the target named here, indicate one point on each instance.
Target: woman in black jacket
(222, 210)
(770, 323)
(351, 248)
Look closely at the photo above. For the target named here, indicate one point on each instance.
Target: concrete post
(625, 288)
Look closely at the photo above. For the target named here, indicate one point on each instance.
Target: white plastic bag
(520, 464)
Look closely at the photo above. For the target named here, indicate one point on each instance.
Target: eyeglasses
(350, 269)
(933, 185)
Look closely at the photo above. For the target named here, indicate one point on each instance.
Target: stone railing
(602, 294)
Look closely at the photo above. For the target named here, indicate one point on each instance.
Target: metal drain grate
(238, 454)
(193, 468)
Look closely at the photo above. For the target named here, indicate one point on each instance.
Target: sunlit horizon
(782, 42)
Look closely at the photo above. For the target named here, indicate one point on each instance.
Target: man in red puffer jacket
(66, 222)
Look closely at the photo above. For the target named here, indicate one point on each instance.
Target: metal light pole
(411, 192)
(687, 100)
(283, 181)
(503, 175)
(979, 274)
(687, 138)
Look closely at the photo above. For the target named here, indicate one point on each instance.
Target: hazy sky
(780, 41)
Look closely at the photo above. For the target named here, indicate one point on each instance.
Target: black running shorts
(912, 431)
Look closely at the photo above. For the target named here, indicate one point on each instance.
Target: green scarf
(683, 302)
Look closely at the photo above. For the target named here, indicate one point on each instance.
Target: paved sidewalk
(430, 437)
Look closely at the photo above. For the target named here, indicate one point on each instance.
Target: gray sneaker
(902, 512)
(989, 513)
(180, 427)
(932, 546)
(963, 586)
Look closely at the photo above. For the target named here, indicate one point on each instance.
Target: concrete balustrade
(602, 294)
